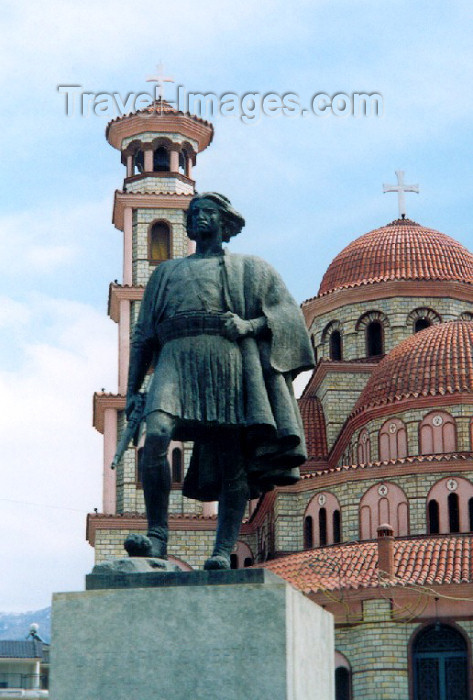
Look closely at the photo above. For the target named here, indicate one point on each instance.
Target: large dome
(402, 250)
(435, 362)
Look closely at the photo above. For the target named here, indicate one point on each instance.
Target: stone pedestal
(217, 635)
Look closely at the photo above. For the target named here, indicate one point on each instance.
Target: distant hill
(16, 626)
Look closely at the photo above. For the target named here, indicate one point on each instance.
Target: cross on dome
(401, 188)
(160, 78)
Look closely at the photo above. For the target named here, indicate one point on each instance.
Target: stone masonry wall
(397, 328)
(142, 219)
(378, 652)
(289, 524)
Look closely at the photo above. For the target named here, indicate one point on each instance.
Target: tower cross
(160, 78)
(401, 188)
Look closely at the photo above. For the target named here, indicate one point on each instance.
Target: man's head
(230, 220)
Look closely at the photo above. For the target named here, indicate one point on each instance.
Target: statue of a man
(225, 339)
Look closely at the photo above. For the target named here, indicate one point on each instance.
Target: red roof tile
(436, 361)
(427, 560)
(314, 426)
(402, 250)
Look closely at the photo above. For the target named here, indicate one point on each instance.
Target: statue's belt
(190, 324)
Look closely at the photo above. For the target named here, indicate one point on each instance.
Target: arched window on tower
(383, 503)
(322, 521)
(183, 162)
(176, 465)
(440, 664)
(161, 160)
(374, 339)
(159, 242)
(336, 345)
(450, 506)
(139, 162)
(437, 433)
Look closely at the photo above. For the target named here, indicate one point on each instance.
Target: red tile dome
(435, 362)
(402, 250)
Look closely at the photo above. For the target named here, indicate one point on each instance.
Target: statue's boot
(156, 487)
(231, 508)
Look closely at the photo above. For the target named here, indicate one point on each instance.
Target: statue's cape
(273, 443)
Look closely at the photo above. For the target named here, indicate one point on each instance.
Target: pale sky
(307, 186)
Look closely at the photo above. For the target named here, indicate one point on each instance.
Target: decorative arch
(322, 521)
(439, 663)
(392, 440)
(422, 318)
(242, 556)
(159, 241)
(437, 433)
(363, 448)
(450, 506)
(384, 503)
(332, 334)
(466, 316)
(373, 324)
(183, 565)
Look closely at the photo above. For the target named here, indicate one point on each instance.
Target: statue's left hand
(236, 327)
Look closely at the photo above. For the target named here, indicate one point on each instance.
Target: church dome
(435, 362)
(402, 250)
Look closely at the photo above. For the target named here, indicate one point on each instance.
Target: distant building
(24, 670)
(379, 529)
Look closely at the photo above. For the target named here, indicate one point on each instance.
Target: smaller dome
(402, 250)
(435, 362)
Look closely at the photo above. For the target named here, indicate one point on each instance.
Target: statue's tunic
(208, 382)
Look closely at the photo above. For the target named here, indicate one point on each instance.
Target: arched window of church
(421, 324)
(383, 503)
(364, 448)
(343, 689)
(374, 339)
(336, 346)
(159, 242)
(176, 465)
(322, 521)
(392, 440)
(322, 527)
(421, 318)
(437, 433)
(453, 513)
(433, 517)
(139, 162)
(440, 664)
(449, 506)
(337, 527)
(308, 532)
(161, 160)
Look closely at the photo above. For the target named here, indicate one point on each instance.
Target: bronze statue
(225, 339)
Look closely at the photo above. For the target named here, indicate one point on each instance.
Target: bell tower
(158, 147)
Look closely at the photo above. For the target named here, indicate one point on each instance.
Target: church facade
(379, 529)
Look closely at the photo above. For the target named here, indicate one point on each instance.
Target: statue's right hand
(131, 403)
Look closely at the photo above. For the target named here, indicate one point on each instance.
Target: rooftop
(402, 250)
